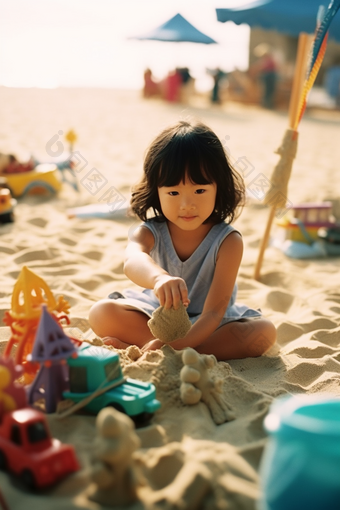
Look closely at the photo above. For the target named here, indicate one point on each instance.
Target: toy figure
(29, 293)
(51, 347)
(115, 480)
(197, 384)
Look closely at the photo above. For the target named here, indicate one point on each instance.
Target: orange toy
(29, 293)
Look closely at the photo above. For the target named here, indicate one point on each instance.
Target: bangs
(185, 158)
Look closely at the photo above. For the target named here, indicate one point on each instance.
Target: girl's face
(187, 205)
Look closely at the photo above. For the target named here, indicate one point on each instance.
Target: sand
(188, 460)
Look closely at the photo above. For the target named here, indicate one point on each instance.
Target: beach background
(189, 460)
(81, 259)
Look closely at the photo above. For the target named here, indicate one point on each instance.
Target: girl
(187, 251)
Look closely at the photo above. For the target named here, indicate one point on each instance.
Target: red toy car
(28, 450)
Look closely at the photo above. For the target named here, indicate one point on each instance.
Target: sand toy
(7, 204)
(303, 221)
(29, 293)
(304, 435)
(28, 450)
(51, 348)
(97, 381)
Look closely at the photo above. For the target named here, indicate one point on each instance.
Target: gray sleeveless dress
(197, 271)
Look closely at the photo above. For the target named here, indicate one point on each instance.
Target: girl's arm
(140, 268)
(227, 264)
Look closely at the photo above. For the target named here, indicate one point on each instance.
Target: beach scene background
(187, 457)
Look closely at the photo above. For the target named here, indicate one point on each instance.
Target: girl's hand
(170, 291)
(152, 345)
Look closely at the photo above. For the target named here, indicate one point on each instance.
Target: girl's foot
(115, 342)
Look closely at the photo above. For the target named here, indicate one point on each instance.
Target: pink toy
(28, 450)
(51, 348)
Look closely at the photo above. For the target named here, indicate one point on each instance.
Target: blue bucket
(300, 467)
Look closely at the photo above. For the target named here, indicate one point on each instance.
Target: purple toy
(51, 348)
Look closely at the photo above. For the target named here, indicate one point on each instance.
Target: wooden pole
(299, 77)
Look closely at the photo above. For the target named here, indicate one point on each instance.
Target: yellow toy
(71, 137)
(29, 293)
(41, 179)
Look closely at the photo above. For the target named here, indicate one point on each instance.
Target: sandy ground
(185, 456)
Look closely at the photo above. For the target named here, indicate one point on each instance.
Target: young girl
(187, 251)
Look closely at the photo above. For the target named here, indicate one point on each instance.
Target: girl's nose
(187, 203)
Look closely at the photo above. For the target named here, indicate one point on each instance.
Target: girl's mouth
(187, 218)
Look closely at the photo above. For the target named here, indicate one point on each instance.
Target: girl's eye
(200, 191)
(173, 193)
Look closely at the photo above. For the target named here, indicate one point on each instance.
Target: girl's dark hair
(192, 150)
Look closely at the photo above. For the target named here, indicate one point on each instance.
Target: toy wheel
(142, 419)
(39, 187)
(3, 461)
(28, 479)
(118, 407)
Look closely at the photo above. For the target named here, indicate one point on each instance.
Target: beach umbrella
(177, 29)
(286, 16)
(268, 16)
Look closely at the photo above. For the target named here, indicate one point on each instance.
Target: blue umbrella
(177, 29)
(286, 16)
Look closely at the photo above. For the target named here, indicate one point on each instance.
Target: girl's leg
(125, 325)
(240, 339)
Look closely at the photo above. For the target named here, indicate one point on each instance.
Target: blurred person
(266, 69)
(171, 86)
(217, 76)
(187, 87)
(151, 87)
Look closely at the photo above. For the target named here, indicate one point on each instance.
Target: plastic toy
(7, 204)
(71, 137)
(41, 179)
(197, 384)
(28, 450)
(96, 379)
(115, 479)
(12, 394)
(300, 466)
(303, 221)
(51, 347)
(29, 293)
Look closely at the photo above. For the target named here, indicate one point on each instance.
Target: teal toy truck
(96, 368)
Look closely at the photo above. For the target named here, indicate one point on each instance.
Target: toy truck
(28, 450)
(95, 368)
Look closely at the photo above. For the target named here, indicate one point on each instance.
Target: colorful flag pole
(276, 197)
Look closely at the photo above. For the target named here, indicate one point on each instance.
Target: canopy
(177, 29)
(286, 16)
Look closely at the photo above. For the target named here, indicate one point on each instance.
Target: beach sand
(189, 461)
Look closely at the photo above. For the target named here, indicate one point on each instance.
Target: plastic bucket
(300, 467)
